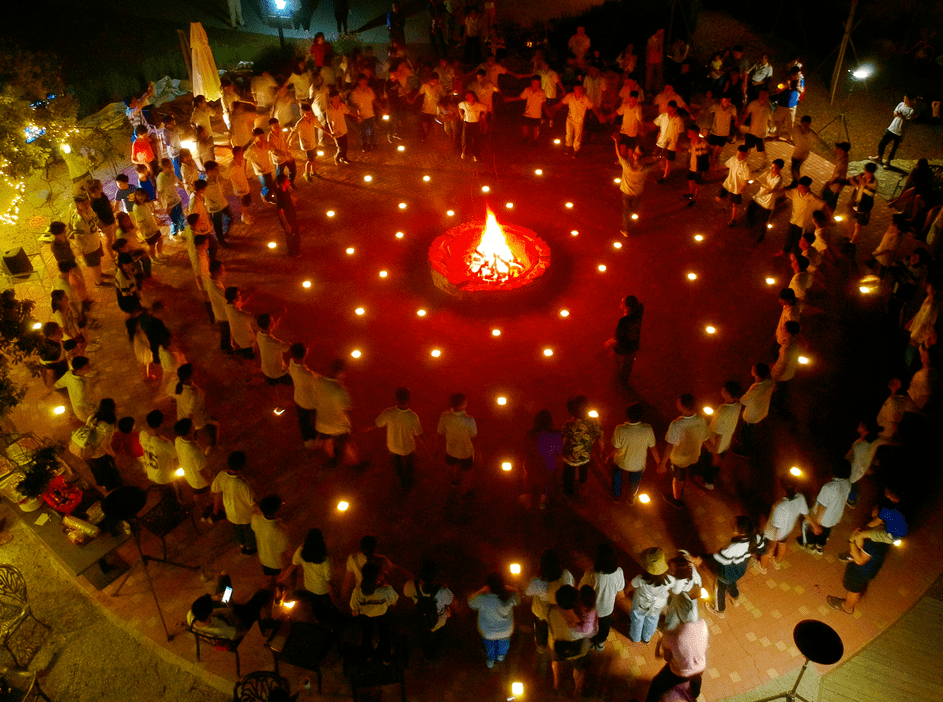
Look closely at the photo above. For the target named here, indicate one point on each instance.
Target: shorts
(735, 198)
(311, 154)
(754, 142)
(629, 141)
(696, 176)
(463, 463)
(679, 472)
(771, 533)
(863, 218)
(715, 140)
(854, 581)
(532, 121)
(94, 258)
(668, 154)
(282, 380)
(152, 240)
(270, 571)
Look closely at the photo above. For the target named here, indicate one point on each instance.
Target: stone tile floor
(496, 524)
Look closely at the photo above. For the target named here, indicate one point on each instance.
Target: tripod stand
(819, 643)
(124, 504)
(841, 118)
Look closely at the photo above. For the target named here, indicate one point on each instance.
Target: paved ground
(496, 526)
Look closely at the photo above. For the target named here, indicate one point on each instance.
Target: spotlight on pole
(862, 72)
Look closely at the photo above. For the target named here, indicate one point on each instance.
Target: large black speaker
(16, 263)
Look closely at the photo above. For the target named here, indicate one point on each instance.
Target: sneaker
(600, 646)
(874, 158)
(837, 603)
(489, 663)
(712, 608)
(851, 503)
(818, 550)
(845, 557)
(760, 569)
(777, 565)
(500, 659)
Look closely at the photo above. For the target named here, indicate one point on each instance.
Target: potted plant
(43, 466)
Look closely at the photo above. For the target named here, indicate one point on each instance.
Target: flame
(493, 259)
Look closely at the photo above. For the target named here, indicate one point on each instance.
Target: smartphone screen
(227, 593)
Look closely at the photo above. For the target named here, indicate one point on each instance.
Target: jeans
(289, 166)
(665, 680)
(496, 649)
(225, 339)
(629, 206)
(471, 139)
(641, 626)
(569, 477)
(381, 625)
(720, 593)
(176, 162)
(341, 146)
(306, 423)
(177, 220)
(605, 624)
(635, 479)
(245, 537)
(888, 137)
(405, 468)
(367, 131)
(217, 218)
(791, 243)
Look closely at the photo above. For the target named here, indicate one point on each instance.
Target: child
(682, 602)
(191, 404)
(651, 595)
(370, 604)
(571, 635)
(146, 181)
(159, 453)
(240, 182)
(670, 125)
(168, 197)
(731, 562)
(287, 215)
(234, 496)
(760, 209)
(206, 149)
(271, 538)
(866, 187)
(193, 464)
(495, 605)
(699, 165)
(433, 607)
(722, 427)
(828, 510)
(189, 171)
(240, 323)
(458, 431)
(631, 442)
(608, 582)
(69, 274)
(216, 203)
(543, 590)
(123, 194)
(147, 226)
(403, 431)
(126, 444)
(686, 436)
(782, 520)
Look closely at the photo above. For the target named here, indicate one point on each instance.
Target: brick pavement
(495, 526)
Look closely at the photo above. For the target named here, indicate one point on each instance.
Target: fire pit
(482, 257)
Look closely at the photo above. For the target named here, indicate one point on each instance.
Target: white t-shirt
(632, 442)
(755, 401)
(237, 497)
(897, 124)
(402, 428)
(720, 120)
(759, 118)
(631, 118)
(495, 618)
(803, 143)
(335, 120)
(607, 586)
(317, 576)
(304, 380)
(651, 599)
(738, 176)
(333, 404)
(803, 205)
(430, 98)
(192, 461)
(240, 326)
(458, 429)
(271, 540)
(356, 562)
(544, 594)
(472, 112)
(375, 605)
(159, 457)
(686, 434)
(669, 131)
(832, 497)
(548, 83)
(533, 101)
(662, 99)
(577, 106)
(271, 352)
(766, 196)
(784, 515)
(724, 424)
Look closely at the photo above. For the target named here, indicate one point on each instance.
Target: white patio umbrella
(205, 75)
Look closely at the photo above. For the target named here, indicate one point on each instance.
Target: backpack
(85, 440)
(427, 609)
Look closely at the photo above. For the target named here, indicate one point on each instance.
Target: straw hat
(654, 561)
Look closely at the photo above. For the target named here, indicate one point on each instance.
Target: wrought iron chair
(220, 642)
(256, 687)
(14, 610)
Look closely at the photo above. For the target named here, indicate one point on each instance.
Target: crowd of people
(268, 121)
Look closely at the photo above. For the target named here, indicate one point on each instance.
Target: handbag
(85, 440)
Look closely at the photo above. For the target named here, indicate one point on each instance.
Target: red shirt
(320, 52)
(127, 444)
(141, 151)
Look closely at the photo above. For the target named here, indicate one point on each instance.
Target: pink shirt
(685, 648)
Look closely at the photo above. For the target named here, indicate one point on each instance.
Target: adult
(608, 581)
(312, 559)
(626, 340)
(654, 60)
(895, 130)
(495, 605)
(866, 561)
(582, 442)
(684, 649)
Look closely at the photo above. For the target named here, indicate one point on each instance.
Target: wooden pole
(839, 63)
(185, 48)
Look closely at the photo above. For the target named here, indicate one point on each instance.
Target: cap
(654, 561)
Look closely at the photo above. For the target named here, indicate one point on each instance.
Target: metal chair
(256, 687)
(231, 645)
(14, 610)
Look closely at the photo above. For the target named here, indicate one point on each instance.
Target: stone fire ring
(447, 259)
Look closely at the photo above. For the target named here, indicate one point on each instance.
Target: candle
(548, 352)
(574, 232)
(272, 244)
(796, 471)
(436, 353)
(402, 205)
(306, 284)
(179, 472)
(517, 689)
(60, 409)
(278, 411)
(383, 274)
(359, 311)
(506, 466)
(556, 141)
(634, 216)
(602, 268)
(368, 178)
(331, 213)
(495, 332)
(644, 499)
(692, 276)
(288, 604)
(421, 313)
(708, 410)
(617, 244)
(400, 235)
(569, 205)
(342, 506)
(838, 218)
(564, 313)
(450, 213)
(509, 205)
(771, 281)
(698, 237)
(515, 568)
(400, 148)
(709, 329)
(356, 353)
(803, 360)
(617, 180)
(37, 326)
(485, 189)
(502, 400)
(426, 179)
(594, 414)
(538, 171)
(350, 250)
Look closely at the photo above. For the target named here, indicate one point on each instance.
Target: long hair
(184, 374)
(550, 568)
(314, 549)
(498, 587)
(605, 559)
(743, 526)
(106, 412)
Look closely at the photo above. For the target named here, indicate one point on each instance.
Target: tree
(18, 345)
(37, 116)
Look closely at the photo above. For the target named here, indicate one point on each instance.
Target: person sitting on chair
(209, 616)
